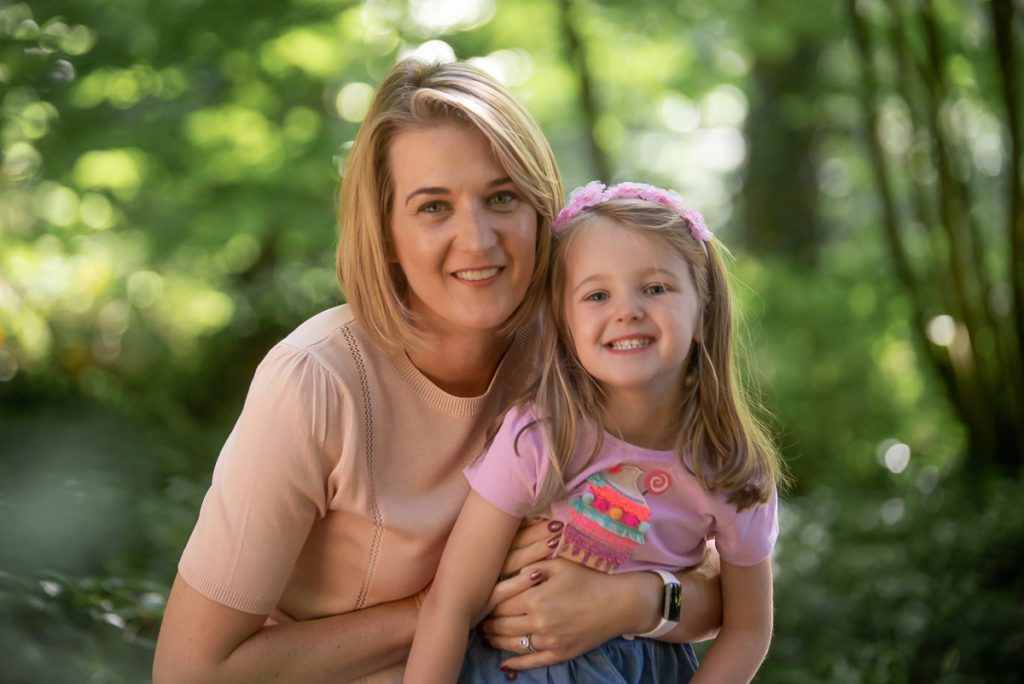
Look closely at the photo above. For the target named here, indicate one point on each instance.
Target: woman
(333, 496)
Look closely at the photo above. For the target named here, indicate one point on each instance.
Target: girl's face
(462, 232)
(632, 309)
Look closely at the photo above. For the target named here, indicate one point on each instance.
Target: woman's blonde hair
(719, 438)
(417, 93)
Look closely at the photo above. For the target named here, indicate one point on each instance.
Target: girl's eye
(503, 198)
(596, 297)
(656, 288)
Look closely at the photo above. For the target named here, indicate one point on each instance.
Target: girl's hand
(574, 610)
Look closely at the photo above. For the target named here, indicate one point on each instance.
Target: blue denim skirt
(622, 661)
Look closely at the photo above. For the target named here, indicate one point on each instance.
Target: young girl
(637, 432)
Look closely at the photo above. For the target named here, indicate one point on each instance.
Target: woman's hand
(569, 613)
(534, 541)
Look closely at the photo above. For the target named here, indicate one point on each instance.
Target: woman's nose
(475, 232)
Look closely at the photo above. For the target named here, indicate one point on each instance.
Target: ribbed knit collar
(449, 403)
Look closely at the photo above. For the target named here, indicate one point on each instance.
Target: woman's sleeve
(509, 474)
(750, 535)
(269, 485)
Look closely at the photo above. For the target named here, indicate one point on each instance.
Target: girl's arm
(746, 628)
(470, 565)
(204, 641)
(569, 613)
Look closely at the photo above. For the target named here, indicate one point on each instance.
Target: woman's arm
(746, 631)
(203, 641)
(472, 559)
(569, 613)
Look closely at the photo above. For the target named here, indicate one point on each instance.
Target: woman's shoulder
(331, 339)
(324, 328)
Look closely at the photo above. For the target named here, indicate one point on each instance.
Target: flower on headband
(594, 193)
(581, 198)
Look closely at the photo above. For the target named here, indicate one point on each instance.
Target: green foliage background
(167, 203)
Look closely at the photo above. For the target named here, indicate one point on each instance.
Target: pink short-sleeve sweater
(341, 480)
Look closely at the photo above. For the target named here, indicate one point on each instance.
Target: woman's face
(462, 232)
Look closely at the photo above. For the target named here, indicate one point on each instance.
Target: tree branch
(891, 220)
(1002, 25)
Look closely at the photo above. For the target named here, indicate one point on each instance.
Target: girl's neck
(461, 365)
(641, 420)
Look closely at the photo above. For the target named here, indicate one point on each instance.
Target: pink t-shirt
(629, 509)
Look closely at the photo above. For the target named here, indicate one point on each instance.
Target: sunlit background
(167, 212)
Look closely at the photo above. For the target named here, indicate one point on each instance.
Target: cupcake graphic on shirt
(608, 520)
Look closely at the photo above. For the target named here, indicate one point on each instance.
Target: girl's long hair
(721, 438)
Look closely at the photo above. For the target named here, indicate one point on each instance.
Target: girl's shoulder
(519, 421)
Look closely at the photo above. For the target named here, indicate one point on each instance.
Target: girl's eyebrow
(440, 190)
(664, 273)
(579, 285)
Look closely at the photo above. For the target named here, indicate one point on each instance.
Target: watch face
(673, 602)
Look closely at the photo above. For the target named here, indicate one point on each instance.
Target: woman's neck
(641, 420)
(461, 365)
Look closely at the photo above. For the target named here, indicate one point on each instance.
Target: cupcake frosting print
(608, 519)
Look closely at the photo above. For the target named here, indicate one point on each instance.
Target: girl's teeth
(482, 274)
(630, 344)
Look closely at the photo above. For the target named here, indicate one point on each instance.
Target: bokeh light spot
(941, 330)
(8, 366)
(892, 511)
(431, 51)
(444, 16)
(96, 211)
(353, 100)
(897, 457)
(145, 288)
(118, 169)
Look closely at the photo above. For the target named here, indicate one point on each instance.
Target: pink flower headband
(595, 192)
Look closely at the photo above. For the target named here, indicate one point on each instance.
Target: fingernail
(510, 675)
(555, 525)
(553, 542)
(536, 575)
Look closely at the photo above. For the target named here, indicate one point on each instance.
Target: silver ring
(525, 643)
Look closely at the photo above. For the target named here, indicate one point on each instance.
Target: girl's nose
(630, 310)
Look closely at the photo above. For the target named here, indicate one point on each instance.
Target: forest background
(168, 191)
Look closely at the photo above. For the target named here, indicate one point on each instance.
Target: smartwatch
(671, 604)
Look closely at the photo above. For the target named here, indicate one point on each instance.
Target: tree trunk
(780, 197)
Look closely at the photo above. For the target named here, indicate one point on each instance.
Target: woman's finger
(514, 644)
(533, 542)
(506, 590)
(538, 659)
(519, 558)
(500, 630)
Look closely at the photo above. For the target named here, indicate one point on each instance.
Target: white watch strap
(664, 626)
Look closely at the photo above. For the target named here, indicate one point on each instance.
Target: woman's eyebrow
(431, 190)
(439, 190)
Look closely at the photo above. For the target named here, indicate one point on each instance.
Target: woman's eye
(656, 288)
(503, 198)
(432, 207)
